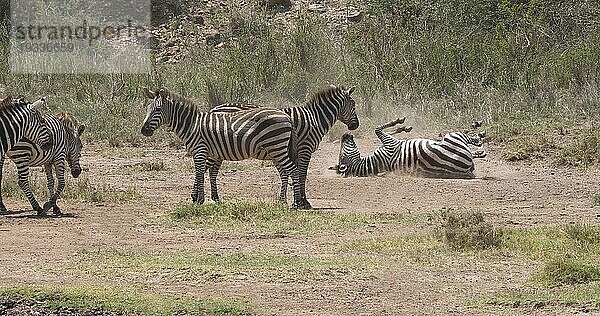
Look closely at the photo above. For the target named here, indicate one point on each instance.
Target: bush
(468, 231)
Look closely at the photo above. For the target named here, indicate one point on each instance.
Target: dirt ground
(34, 250)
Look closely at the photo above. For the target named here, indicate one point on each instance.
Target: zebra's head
(154, 115)
(74, 153)
(36, 129)
(348, 154)
(347, 113)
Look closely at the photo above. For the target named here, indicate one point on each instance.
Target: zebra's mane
(185, 102)
(323, 93)
(67, 120)
(7, 103)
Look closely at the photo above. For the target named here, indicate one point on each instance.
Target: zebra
(312, 121)
(224, 136)
(448, 158)
(21, 119)
(66, 147)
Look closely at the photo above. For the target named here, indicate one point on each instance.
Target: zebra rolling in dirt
(311, 122)
(448, 158)
(21, 119)
(225, 136)
(66, 147)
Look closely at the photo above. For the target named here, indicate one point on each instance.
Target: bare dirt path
(35, 250)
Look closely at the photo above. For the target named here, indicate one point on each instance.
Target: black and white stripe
(224, 136)
(20, 119)
(448, 158)
(311, 122)
(66, 148)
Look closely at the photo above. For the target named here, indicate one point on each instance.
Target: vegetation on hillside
(528, 68)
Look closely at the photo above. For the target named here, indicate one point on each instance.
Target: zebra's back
(26, 151)
(245, 134)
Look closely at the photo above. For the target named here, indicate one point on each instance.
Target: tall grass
(522, 66)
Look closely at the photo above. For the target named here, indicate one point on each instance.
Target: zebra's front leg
(213, 167)
(303, 162)
(198, 188)
(2, 206)
(24, 185)
(283, 176)
(54, 196)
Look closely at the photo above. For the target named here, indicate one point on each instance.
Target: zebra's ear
(80, 130)
(149, 93)
(38, 104)
(351, 90)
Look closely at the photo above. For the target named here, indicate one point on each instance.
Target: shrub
(468, 231)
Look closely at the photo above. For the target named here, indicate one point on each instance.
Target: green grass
(124, 300)
(584, 150)
(467, 231)
(242, 216)
(81, 189)
(422, 248)
(567, 271)
(596, 199)
(575, 295)
(567, 257)
(185, 266)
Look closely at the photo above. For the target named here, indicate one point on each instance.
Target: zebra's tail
(293, 146)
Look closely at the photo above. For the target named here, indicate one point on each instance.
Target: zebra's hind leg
(2, 206)
(213, 167)
(200, 166)
(24, 185)
(302, 168)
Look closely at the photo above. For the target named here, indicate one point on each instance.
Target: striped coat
(224, 136)
(66, 149)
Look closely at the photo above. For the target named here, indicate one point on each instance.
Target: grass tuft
(568, 271)
(584, 234)
(467, 231)
(584, 150)
(273, 218)
(122, 300)
(596, 199)
(132, 266)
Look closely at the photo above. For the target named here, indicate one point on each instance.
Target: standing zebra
(21, 119)
(224, 136)
(448, 158)
(311, 122)
(66, 147)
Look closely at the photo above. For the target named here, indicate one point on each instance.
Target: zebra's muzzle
(75, 172)
(147, 131)
(353, 125)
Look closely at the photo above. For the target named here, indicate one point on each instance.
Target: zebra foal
(234, 136)
(66, 149)
(448, 158)
(311, 121)
(21, 119)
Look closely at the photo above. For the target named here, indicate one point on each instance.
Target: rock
(213, 38)
(354, 14)
(282, 5)
(317, 7)
(198, 20)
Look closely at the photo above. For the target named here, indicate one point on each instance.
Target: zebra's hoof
(48, 205)
(40, 212)
(303, 205)
(56, 210)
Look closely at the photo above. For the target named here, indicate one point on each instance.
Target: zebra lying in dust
(448, 158)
